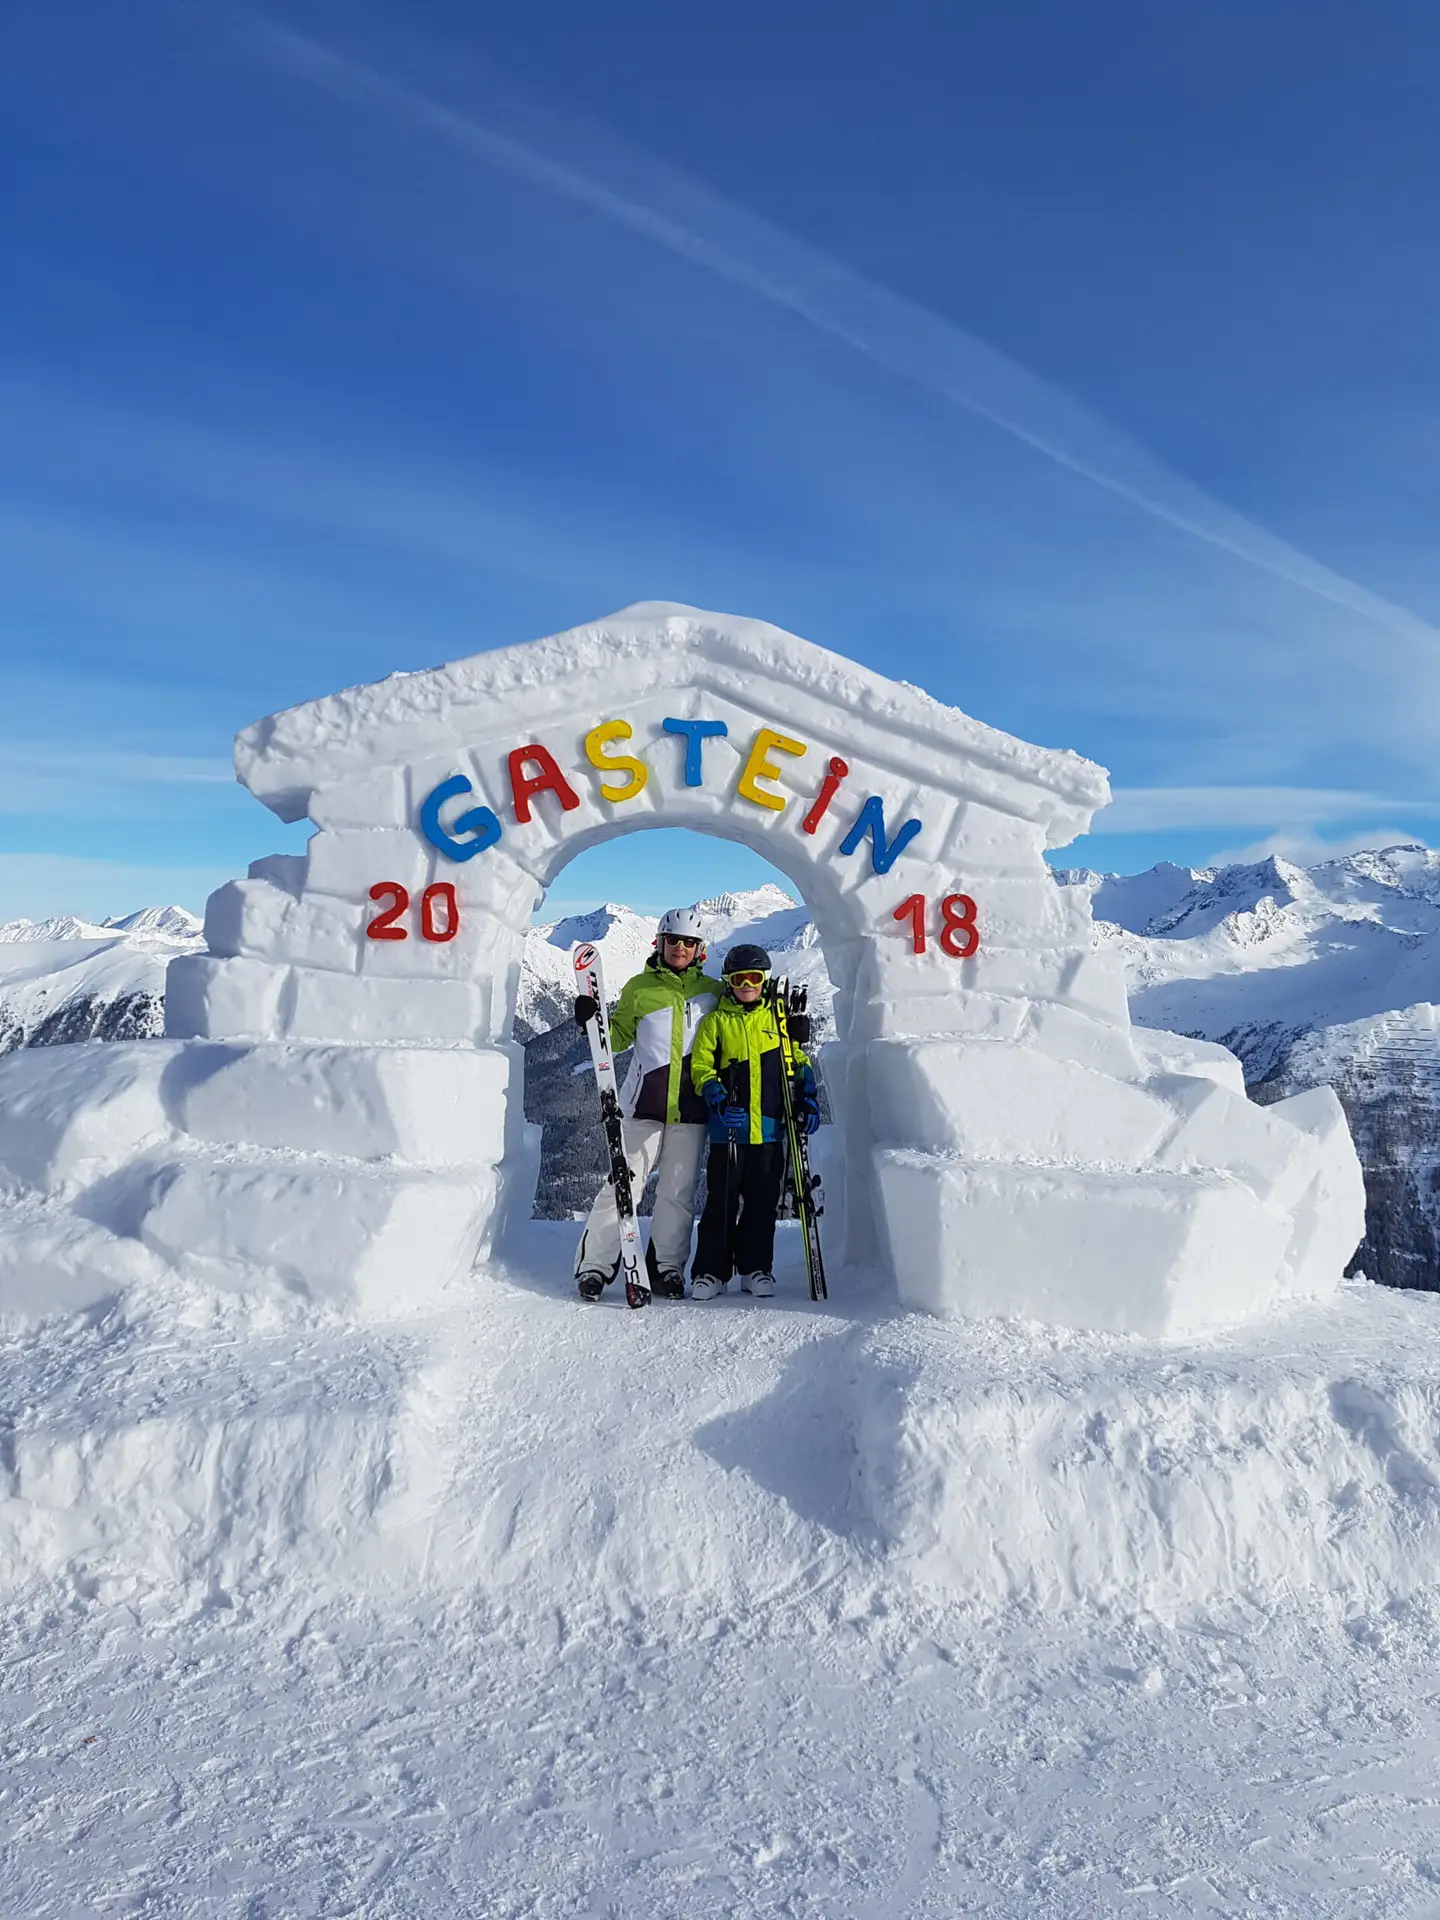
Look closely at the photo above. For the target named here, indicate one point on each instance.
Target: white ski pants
(648, 1143)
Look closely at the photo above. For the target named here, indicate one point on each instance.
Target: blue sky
(1078, 364)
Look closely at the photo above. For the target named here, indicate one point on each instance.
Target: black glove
(797, 1025)
(586, 1008)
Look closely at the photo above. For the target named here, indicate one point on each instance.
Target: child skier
(737, 1067)
(657, 1014)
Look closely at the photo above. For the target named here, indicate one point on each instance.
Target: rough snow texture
(1301, 1460)
(1005, 1142)
(183, 1439)
(306, 1618)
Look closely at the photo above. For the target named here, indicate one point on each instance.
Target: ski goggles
(748, 977)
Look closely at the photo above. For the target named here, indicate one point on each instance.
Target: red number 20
(959, 929)
(384, 927)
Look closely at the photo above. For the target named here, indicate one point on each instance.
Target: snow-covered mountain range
(1262, 957)
(68, 979)
(1329, 973)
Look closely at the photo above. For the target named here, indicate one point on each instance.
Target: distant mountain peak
(166, 923)
(754, 902)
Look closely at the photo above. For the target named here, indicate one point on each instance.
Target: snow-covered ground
(511, 1606)
(527, 1608)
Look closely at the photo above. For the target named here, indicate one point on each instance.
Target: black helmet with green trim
(746, 959)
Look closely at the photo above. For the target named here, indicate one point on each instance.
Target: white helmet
(682, 923)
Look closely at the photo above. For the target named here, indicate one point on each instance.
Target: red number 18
(959, 930)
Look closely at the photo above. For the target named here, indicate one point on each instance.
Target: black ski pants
(737, 1228)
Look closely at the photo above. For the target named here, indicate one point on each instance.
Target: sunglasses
(752, 977)
(680, 940)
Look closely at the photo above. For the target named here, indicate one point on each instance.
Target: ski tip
(584, 957)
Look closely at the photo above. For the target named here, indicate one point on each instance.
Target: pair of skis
(809, 1195)
(590, 979)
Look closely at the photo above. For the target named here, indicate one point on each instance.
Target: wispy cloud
(472, 519)
(56, 778)
(1306, 849)
(623, 184)
(1154, 809)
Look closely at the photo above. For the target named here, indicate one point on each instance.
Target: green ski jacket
(657, 1014)
(740, 1046)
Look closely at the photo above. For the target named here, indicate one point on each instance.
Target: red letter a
(549, 779)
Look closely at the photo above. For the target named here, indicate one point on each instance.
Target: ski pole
(732, 1157)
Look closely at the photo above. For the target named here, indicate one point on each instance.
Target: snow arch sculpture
(1010, 1145)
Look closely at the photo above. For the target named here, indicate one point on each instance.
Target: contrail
(698, 225)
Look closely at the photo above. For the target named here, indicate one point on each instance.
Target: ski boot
(705, 1286)
(590, 1286)
(669, 1285)
(762, 1285)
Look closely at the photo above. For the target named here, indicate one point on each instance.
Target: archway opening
(612, 895)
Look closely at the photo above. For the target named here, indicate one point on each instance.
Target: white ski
(590, 979)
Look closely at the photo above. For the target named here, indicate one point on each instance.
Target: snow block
(1179, 1053)
(1091, 981)
(371, 1242)
(483, 943)
(223, 999)
(70, 1114)
(375, 799)
(1025, 914)
(496, 887)
(283, 870)
(435, 1106)
(898, 991)
(984, 841)
(987, 1099)
(1067, 1034)
(347, 862)
(264, 921)
(1158, 1254)
(334, 1006)
(1217, 1128)
(1329, 1218)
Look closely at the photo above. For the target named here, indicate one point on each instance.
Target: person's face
(747, 992)
(678, 952)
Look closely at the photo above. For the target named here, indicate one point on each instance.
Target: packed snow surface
(527, 1608)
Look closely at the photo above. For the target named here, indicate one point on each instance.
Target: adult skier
(658, 1014)
(737, 1066)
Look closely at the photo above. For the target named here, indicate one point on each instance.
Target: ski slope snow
(523, 1608)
